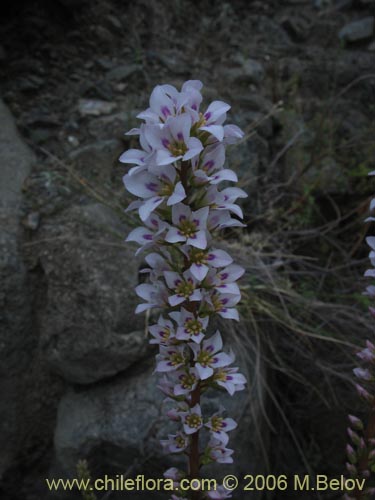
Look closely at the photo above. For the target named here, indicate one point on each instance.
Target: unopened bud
(364, 394)
(366, 473)
(351, 454)
(352, 469)
(355, 423)
(362, 445)
(354, 436)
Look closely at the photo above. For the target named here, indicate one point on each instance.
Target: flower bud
(354, 436)
(355, 423)
(364, 394)
(352, 469)
(351, 454)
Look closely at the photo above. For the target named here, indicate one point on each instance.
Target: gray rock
(358, 31)
(16, 342)
(95, 107)
(97, 160)
(119, 426)
(113, 126)
(88, 328)
(123, 72)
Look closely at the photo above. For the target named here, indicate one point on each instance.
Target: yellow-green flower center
(193, 326)
(177, 148)
(187, 228)
(180, 442)
(188, 380)
(216, 423)
(176, 358)
(198, 257)
(166, 190)
(185, 289)
(194, 421)
(204, 358)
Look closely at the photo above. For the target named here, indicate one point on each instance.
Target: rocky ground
(75, 364)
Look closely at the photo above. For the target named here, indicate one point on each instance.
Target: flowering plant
(360, 450)
(176, 176)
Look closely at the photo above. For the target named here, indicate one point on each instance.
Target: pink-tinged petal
(216, 130)
(232, 193)
(232, 207)
(199, 271)
(143, 184)
(204, 372)
(214, 343)
(198, 338)
(230, 424)
(231, 273)
(181, 334)
(372, 204)
(164, 157)
(140, 235)
(219, 258)
(144, 307)
(148, 116)
(134, 205)
(194, 148)
(175, 300)
(165, 366)
(145, 291)
(230, 313)
(214, 158)
(160, 103)
(198, 240)
(173, 235)
(194, 84)
(136, 170)
(154, 136)
(232, 134)
(166, 173)
(224, 175)
(195, 296)
(370, 272)
(136, 156)
(149, 206)
(221, 359)
(370, 240)
(180, 212)
(220, 436)
(172, 279)
(133, 131)
(215, 111)
(178, 194)
(200, 217)
(179, 127)
(201, 176)
(231, 288)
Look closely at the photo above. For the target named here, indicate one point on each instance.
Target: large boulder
(117, 426)
(88, 329)
(16, 341)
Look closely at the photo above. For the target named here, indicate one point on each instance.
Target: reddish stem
(194, 445)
